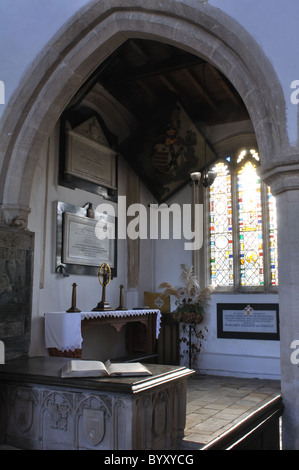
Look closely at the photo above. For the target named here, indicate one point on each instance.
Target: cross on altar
(104, 279)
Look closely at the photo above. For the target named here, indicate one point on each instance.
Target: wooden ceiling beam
(152, 69)
(200, 88)
(169, 84)
(139, 49)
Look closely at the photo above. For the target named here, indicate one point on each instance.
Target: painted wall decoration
(165, 152)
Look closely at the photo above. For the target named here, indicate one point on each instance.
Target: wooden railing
(258, 431)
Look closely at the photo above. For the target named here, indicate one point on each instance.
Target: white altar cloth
(63, 329)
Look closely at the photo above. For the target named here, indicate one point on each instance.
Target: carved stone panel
(93, 426)
(16, 270)
(161, 420)
(61, 416)
(22, 405)
(93, 422)
(57, 426)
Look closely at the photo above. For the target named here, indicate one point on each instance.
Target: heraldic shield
(94, 425)
(23, 410)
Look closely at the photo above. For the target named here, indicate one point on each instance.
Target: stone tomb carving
(16, 268)
(39, 410)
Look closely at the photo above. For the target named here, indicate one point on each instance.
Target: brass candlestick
(104, 279)
(74, 299)
(120, 307)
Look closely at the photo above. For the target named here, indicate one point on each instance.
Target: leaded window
(243, 225)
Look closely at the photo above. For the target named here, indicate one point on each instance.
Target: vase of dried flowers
(191, 301)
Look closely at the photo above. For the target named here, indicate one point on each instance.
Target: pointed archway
(92, 35)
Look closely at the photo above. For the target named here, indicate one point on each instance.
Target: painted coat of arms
(168, 150)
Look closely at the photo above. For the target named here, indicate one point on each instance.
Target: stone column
(284, 182)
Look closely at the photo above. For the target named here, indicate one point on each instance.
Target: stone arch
(90, 36)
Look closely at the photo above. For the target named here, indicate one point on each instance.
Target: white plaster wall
(51, 291)
(170, 254)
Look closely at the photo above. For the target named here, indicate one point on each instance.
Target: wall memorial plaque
(90, 160)
(87, 153)
(82, 246)
(78, 248)
(248, 321)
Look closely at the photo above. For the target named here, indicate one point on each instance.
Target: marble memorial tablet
(82, 246)
(90, 160)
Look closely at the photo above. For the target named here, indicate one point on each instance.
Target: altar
(39, 410)
(63, 330)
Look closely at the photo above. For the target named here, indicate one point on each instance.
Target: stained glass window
(221, 240)
(239, 254)
(273, 238)
(250, 227)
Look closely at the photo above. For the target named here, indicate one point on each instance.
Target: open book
(83, 368)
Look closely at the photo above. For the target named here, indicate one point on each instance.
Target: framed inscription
(87, 153)
(83, 244)
(248, 321)
(90, 160)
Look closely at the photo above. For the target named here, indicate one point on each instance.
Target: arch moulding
(92, 35)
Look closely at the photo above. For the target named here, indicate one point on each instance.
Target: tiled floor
(215, 404)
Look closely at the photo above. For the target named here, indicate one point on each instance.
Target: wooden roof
(162, 86)
(143, 75)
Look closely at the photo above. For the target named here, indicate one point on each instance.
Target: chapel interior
(131, 94)
(146, 78)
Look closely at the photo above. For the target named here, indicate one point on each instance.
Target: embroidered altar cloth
(63, 329)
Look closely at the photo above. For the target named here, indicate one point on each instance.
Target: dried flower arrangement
(191, 299)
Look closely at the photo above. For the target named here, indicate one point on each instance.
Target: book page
(83, 368)
(127, 368)
(86, 368)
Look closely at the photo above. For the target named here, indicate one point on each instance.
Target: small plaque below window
(248, 321)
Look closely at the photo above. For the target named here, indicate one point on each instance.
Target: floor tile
(214, 404)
